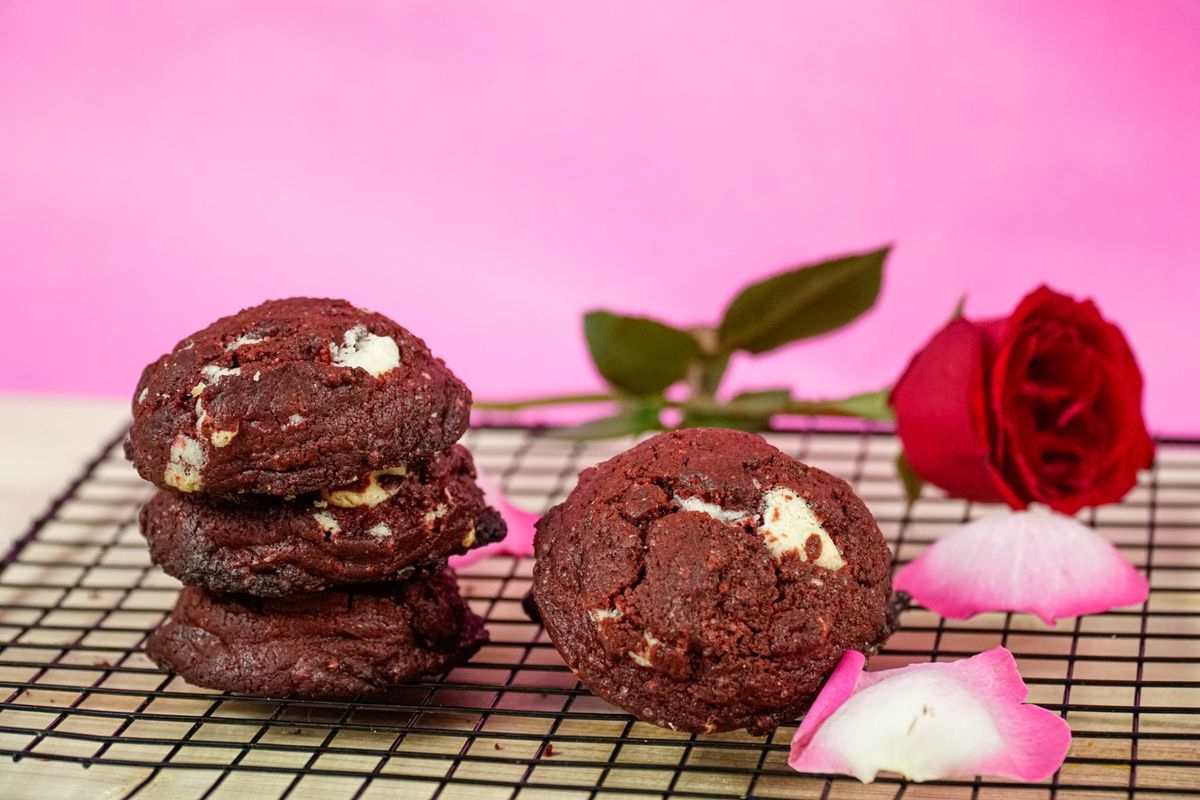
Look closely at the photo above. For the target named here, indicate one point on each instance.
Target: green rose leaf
(763, 400)
(868, 405)
(636, 354)
(802, 302)
(912, 482)
(630, 421)
(713, 419)
(748, 411)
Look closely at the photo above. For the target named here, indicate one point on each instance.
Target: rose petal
(1036, 561)
(941, 414)
(930, 721)
(519, 540)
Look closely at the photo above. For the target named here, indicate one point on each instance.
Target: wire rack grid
(78, 595)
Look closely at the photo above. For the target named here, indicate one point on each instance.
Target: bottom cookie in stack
(336, 643)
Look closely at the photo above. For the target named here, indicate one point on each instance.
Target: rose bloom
(1044, 406)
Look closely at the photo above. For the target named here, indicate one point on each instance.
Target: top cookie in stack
(299, 446)
(289, 397)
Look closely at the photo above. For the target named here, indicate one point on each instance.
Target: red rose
(1045, 406)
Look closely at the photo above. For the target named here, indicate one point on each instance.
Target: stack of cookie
(310, 493)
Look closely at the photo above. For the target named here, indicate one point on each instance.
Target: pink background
(484, 172)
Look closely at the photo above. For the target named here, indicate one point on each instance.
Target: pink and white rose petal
(518, 542)
(1036, 561)
(930, 721)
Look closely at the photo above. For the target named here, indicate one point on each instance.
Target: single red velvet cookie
(705, 581)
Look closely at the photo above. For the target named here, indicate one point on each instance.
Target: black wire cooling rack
(78, 595)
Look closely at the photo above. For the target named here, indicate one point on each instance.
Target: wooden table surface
(46, 442)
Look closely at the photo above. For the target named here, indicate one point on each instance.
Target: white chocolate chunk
(244, 339)
(201, 414)
(327, 522)
(726, 515)
(469, 539)
(598, 614)
(380, 531)
(372, 495)
(642, 657)
(185, 461)
(223, 438)
(257, 375)
(214, 373)
(199, 388)
(436, 514)
(320, 504)
(142, 396)
(378, 355)
(293, 421)
(788, 523)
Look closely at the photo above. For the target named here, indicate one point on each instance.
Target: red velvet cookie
(383, 528)
(329, 644)
(705, 581)
(289, 397)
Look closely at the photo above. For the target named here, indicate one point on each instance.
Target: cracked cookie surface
(705, 581)
(291, 396)
(382, 528)
(328, 644)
